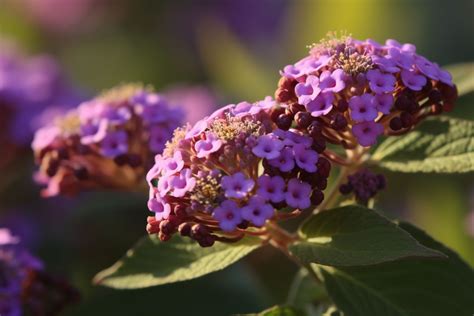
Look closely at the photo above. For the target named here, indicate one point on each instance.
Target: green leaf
(440, 144)
(278, 311)
(354, 235)
(152, 262)
(405, 287)
(305, 290)
(463, 77)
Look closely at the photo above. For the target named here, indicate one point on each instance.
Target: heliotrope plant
(228, 181)
(25, 287)
(105, 143)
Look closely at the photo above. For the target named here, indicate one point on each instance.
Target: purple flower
(284, 161)
(385, 64)
(292, 138)
(311, 64)
(228, 215)
(197, 129)
(332, 82)
(402, 59)
(271, 188)
(242, 108)
(205, 147)
(308, 91)
(383, 102)
(45, 136)
(363, 108)
(172, 165)
(158, 137)
(379, 82)
(306, 159)
(182, 183)
(291, 71)
(268, 147)
(237, 185)
(298, 194)
(257, 211)
(161, 209)
(445, 76)
(427, 68)
(367, 132)
(322, 105)
(114, 144)
(413, 80)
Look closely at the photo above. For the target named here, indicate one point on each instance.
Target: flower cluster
(24, 286)
(232, 172)
(107, 142)
(359, 90)
(29, 86)
(364, 184)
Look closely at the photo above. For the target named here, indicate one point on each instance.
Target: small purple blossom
(182, 183)
(197, 129)
(228, 214)
(305, 158)
(161, 209)
(385, 64)
(285, 161)
(427, 68)
(257, 211)
(298, 194)
(379, 82)
(367, 132)
(271, 188)
(205, 147)
(158, 138)
(363, 108)
(332, 82)
(383, 102)
(322, 105)
(402, 59)
(114, 144)
(413, 80)
(237, 185)
(268, 147)
(307, 91)
(173, 164)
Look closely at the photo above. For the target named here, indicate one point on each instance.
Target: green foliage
(304, 290)
(442, 144)
(463, 77)
(354, 235)
(412, 286)
(278, 311)
(152, 262)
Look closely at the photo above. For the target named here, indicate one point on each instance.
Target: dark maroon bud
(314, 129)
(449, 93)
(321, 183)
(448, 107)
(435, 96)
(303, 119)
(276, 112)
(121, 160)
(324, 167)
(167, 227)
(410, 94)
(319, 144)
(284, 121)
(427, 87)
(345, 188)
(406, 119)
(342, 105)
(287, 83)
(295, 108)
(153, 226)
(206, 241)
(402, 102)
(134, 160)
(339, 122)
(82, 149)
(413, 106)
(163, 236)
(53, 167)
(81, 173)
(283, 95)
(279, 205)
(317, 197)
(243, 225)
(436, 108)
(184, 229)
(180, 211)
(198, 231)
(62, 153)
(396, 124)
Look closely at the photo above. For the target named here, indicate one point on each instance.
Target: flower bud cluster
(232, 172)
(364, 184)
(24, 286)
(359, 90)
(106, 142)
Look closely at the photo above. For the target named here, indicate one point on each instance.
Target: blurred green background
(236, 47)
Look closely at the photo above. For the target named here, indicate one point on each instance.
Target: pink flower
(205, 147)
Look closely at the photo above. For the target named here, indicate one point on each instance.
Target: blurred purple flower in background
(29, 85)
